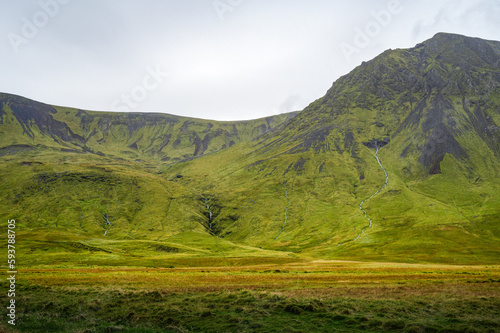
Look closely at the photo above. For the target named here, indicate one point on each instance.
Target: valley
(230, 294)
(376, 208)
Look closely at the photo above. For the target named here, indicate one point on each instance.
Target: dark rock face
(299, 166)
(438, 144)
(440, 128)
(474, 50)
(377, 143)
(436, 168)
(314, 139)
(439, 97)
(30, 113)
(484, 125)
(14, 149)
(412, 93)
(85, 119)
(2, 113)
(164, 135)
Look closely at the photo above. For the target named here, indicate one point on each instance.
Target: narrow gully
(209, 214)
(374, 194)
(286, 210)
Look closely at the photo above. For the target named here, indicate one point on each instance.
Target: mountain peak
(472, 50)
(425, 99)
(409, 141)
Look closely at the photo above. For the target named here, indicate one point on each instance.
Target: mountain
(419, 97)
(399, 161)
(162, 136)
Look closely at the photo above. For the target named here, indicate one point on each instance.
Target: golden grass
(298, 296)
(311, 279)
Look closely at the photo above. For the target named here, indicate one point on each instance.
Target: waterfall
(209, 214)
(374, 194)
(286, 210)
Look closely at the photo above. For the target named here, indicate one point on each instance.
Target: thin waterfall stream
(209, 214)
(286, 210)
(377, 148)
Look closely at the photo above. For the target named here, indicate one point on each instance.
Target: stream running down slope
(377, 148)
(286, 210)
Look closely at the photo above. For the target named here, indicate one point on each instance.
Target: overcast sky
(213, 59)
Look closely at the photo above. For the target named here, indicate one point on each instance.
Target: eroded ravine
(377, 148)
(286, 210)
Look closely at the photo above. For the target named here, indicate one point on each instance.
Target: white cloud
(265, 57)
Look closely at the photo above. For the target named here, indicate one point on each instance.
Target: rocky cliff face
(408, 141)
(163, 136)
(430, 101)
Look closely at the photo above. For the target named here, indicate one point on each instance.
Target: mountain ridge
(428, 114)
(93, 128)
(405, 87)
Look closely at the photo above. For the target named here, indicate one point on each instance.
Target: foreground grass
(318, 296)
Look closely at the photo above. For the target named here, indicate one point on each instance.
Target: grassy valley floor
(241, 296)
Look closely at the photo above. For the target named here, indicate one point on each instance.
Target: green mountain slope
(122, 186)
(124, 135)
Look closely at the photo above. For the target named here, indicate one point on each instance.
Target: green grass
(263, 297)
(63, 170)
(418, 221)
(113, 229)
(90, 311)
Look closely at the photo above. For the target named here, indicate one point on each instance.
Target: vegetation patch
(89, 305)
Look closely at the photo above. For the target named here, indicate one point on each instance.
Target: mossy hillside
(92, 198)
(163, 137)
(438, 146)
(324, 211)
(323, 208)
(441, 154)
